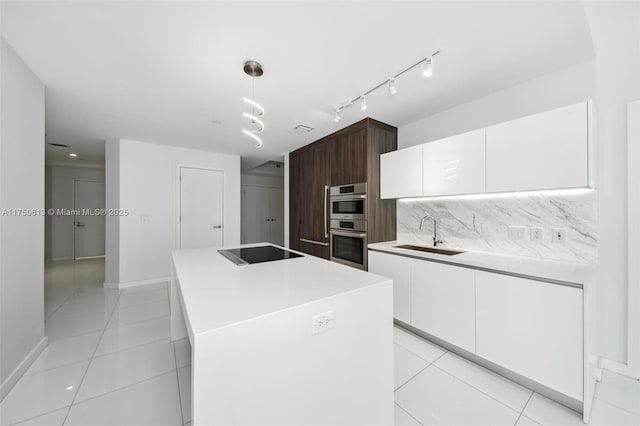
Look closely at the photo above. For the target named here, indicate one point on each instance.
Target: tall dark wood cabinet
(350, 155)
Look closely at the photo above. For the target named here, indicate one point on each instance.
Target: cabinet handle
(325, 193)
(217, 226)
(318, 243)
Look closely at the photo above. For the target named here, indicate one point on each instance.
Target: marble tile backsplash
(482, 223)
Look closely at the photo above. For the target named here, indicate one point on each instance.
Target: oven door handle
(349, 234)
(325, 194)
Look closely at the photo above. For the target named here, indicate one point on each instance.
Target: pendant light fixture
(253, 69)
(390, 83)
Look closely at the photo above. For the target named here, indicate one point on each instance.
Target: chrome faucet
(436, 241)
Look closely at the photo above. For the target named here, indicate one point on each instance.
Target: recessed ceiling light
(73, 155)
(303, 128)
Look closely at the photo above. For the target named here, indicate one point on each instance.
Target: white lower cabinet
(399, 270)
(532, 328)
(443, 302)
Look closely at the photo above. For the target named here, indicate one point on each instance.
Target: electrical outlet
(558, 235)
(322, 322)
(537, 234)
(517, 232)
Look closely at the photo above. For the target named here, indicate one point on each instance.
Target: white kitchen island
(260, 353)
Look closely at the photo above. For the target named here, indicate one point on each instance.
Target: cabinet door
(401, 173)
(443, 302)
(455, 165)
(532, 328)
(349, 158)
(295, 199)
(314, 201)
(542, 151)
(399, 270)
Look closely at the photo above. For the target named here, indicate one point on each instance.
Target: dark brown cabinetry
(351, 155)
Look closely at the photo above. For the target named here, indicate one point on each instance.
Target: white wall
(147, 187)
(564, 87)
(22, 238)
(59, 195)
(112, 200)
(615, 31)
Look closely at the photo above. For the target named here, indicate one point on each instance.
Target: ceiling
(171, 72)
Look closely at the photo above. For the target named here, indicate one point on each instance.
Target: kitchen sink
(429, 249)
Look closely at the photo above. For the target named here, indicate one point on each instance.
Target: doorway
(201, 208)
(88, 221)
(262, 214)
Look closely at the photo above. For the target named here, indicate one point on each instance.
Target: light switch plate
(517, 232)
(537, 234)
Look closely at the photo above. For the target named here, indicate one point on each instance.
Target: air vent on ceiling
(303, 128)
(61, 145)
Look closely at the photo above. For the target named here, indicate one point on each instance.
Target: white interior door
(201, 208)
(88, 225)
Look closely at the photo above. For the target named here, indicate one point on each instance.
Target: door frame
(73, 228)
(179, 167)
(242, 209)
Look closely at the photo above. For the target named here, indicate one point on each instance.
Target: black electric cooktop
(258, 254)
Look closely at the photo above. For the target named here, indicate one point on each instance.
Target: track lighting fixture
(428, 70)
(363, 103)
(391, 85)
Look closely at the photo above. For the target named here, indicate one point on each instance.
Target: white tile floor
(110, 362)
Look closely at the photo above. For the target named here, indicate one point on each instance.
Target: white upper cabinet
(549, 150)
(455, 165)
(543, 151)
(401, 173)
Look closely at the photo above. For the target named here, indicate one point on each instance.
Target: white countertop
(216, 293)
(570, 272)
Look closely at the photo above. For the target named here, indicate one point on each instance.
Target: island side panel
(273, 370)
(178, 327)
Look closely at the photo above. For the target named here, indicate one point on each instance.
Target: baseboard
(620, 368)
(22, 368)
(57, 259)
(552, 394)
(137, 283)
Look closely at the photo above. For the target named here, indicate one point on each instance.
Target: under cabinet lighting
(519, 194)
(73, 155)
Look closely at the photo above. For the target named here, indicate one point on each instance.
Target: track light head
(428, 71)
(336, 116)
(363, 103)
(392, 86)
